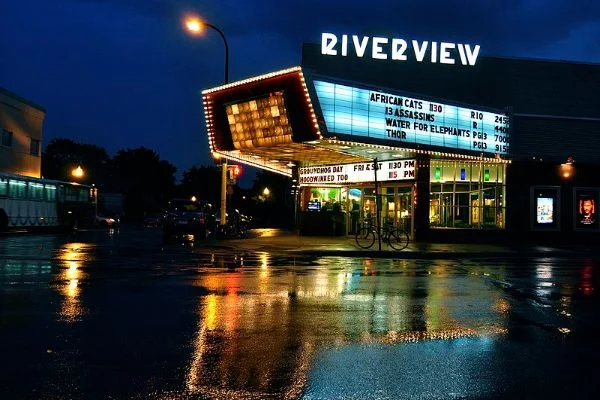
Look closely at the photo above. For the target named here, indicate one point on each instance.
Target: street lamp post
(195, 25)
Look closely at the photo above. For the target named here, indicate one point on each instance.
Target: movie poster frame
(535, 226)
(596, 197)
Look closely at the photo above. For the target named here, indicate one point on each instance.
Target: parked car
(189, 217)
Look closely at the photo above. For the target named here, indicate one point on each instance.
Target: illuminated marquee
(399, 49)
(259, 122)
(393, 170)
(408, 120)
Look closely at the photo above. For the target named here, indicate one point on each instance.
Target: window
(71, 193)
(7, 138)
(467, 194)
(3, 187)
(50, 192)
(326, 197)
(34, 147)
(76, 194)
(17, 189)
(36, 191)
(83, 195)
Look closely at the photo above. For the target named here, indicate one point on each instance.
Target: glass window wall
(467, 194)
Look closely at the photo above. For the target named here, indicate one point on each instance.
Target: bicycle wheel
(365, 237)
(398, 239)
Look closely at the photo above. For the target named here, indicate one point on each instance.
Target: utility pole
(377, 205)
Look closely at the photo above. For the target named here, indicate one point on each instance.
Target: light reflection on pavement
(121, 314)
(253, 317)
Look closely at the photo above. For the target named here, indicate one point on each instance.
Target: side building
(478, 151)
(28, 201)
(21, 123)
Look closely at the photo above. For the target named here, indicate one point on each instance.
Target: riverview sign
(398, 49)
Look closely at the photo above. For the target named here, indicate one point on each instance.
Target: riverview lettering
(399, 49)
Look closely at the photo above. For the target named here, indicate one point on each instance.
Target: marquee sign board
(393, 170)
(404, 120)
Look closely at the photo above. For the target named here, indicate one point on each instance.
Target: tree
(204, 182)
(62, 155)
(277, 208)
(146, 181)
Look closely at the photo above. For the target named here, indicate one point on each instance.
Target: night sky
(123, 73)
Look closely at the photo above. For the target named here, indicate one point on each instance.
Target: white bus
(33, 203)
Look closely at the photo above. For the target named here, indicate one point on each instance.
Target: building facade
(470, 150)
(21, 123)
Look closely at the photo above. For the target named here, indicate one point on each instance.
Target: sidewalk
(276, 241)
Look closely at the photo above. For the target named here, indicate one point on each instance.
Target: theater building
(465, 147)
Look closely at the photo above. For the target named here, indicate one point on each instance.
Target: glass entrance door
(404, 208)
(368, 204)
(353, 209)
(396, 206)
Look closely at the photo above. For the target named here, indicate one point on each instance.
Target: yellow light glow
(260, 122)
(210, 312)
(264, 265)
(266, 192)
(250, 80)
(193, 198)
(567, 170)
(194, 25)
(77, 172)
(72, 257)
(255, 162)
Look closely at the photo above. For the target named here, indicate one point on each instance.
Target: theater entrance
(395, 200)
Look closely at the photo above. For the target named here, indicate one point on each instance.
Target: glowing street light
(193, 25)
(193, 199)
(266, 192)
(77, 172)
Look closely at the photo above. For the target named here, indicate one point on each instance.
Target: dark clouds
(121, 73)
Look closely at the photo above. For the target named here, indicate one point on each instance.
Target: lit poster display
(401, 119)
(586, 209)
(545, 210)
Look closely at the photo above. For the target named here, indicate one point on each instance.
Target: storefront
(447, 141)
(348, 191)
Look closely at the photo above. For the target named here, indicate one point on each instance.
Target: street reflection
(258, 336)
(587, 286)
(544, 280)
(71, 258)
(266, 232)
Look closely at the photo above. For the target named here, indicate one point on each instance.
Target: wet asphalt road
(120, 314)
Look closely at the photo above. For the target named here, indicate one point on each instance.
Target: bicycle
(395, 237)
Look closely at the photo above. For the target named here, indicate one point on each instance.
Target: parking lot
(119, 313)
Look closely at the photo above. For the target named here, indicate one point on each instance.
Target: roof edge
(21, 99)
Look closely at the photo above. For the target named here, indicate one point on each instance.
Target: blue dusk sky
(123, 73)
